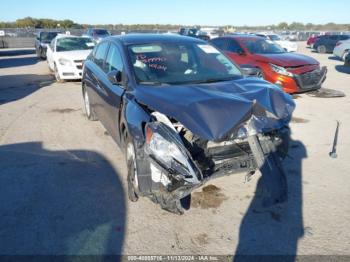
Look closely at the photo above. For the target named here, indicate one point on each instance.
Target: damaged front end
(213, 131)
(180, 161)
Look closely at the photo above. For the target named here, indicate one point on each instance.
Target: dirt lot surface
(63, 190)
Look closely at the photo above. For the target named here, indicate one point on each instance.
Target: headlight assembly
(64, 62)
(280, 70)
(164, 146)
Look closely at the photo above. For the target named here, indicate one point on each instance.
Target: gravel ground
(63, 190)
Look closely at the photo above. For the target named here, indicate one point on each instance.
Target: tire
(41, 54)
(321, 49)
(346, 52)
(131, 163)
(260, 74)
(57, 75)
(89, 111)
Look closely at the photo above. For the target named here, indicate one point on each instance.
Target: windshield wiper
(153, 83)
(213, 80)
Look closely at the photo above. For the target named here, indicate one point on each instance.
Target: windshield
(47, 37)
(262, 46)
(179, 63)
(274, 37)
(74, 43)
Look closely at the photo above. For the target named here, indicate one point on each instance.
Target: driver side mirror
(115, 77)
(250, 71)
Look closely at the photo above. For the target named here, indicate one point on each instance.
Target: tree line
(29, 22)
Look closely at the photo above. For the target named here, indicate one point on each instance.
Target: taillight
(338, 43)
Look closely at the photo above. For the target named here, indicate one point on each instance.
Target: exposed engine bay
(181, 161)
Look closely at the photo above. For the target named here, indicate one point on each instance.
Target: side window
(233, 46)
(114, 60)
(334, 37)
(219, 43)
(100, 54)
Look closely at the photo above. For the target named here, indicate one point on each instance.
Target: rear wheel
(89, 111)
(321, 49)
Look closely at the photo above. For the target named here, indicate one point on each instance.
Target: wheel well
(124, 133)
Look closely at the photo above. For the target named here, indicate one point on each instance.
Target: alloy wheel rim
(131, 158)
(87, 104)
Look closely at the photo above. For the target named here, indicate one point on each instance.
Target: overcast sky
(190, 12)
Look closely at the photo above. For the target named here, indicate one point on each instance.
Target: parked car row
(287, 45)
(65, 53)
(338, 44)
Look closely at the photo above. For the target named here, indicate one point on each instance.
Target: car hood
(74, 55)
(217, 111)
(286, 59)
(285, 43)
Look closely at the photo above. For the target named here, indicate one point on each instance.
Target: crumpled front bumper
(171, 187)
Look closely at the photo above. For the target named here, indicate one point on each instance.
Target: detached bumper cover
(311, 80)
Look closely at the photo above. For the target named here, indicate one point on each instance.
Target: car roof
(69, 36)
(242, 36)
(151, 38)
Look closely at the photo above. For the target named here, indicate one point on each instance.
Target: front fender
(134, 118)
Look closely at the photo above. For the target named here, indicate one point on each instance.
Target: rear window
(101, 32)
(47, 37)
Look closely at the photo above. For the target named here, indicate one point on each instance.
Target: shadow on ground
(18, 61)
(16, 52)
(15, 87)
(59, 202)
(343, 69)
(265, 233)
(334, 58)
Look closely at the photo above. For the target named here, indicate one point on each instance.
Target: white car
(66, 55)
(285, 44)
(342, 49)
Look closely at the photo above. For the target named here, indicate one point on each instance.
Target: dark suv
(184, 114)
(194, 32)
(97, 34)
(326, 43)
(42, 40)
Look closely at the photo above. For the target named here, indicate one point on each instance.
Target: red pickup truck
(294, 73)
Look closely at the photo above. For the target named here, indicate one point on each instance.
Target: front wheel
(57, 75)
(345, 55)
(132, 178)
(260, 74)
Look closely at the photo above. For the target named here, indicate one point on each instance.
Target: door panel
(110, 94)
(95, 74)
